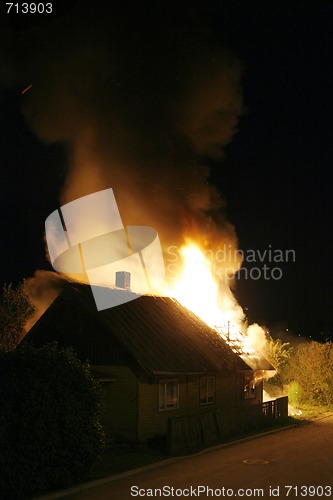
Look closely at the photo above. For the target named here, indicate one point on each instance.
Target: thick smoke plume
(141, 97)
(42, 290)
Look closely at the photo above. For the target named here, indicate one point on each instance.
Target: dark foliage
(15, 310)
(50, 433)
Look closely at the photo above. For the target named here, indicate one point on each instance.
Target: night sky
(275, 175)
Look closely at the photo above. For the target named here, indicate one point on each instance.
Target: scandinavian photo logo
(87, 240)
(228, 263)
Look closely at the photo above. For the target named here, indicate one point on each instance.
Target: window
(168, 394)
(249, 387)
(207, 390)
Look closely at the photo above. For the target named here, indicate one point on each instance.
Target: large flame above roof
(212, 300)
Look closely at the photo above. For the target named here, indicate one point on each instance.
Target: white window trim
(164, 382)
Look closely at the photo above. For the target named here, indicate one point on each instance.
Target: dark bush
(15, 310)
(50, 433)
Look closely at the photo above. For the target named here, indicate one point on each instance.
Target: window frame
(210, 392)
(250, 387)
(163, 397)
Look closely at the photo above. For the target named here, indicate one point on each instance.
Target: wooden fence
(193, 432)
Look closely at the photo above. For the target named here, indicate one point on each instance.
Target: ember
(26, 89)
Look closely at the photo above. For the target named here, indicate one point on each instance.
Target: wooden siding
(152, 421)
(258, 396)
(120, 403)
(228, 390)
(132, 406)
(193, 432)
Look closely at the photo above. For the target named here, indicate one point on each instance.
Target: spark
(26, 89)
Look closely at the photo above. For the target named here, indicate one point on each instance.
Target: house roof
(157, 334)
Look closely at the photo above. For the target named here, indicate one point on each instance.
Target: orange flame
(198, 290)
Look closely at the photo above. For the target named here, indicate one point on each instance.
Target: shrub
(295, 394)
(278, 354)
(50, 433)
(15, 310)
(311, 367)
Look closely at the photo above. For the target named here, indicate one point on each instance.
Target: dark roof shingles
(159, 334)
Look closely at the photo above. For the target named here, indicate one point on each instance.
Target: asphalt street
(294, 463)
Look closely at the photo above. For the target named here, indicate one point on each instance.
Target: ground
(291, 463)
(119, 457)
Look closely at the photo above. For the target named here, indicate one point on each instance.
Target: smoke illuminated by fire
(145, 104)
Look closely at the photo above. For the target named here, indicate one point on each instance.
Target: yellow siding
(258, 395)
(153, 422)
(126, 395)
(120, 401)
(227, 390)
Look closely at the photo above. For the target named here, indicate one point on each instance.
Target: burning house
(144, 123)
(157, 361)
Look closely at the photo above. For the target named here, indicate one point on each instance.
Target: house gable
(72, 322)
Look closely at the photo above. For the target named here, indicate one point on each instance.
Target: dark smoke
(42, 290)
(140, 96)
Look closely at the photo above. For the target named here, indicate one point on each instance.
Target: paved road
(301, 458)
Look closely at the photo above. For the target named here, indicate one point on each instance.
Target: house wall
(119, 418)
(257, 395)
(132, 405)
(152, 421)
(229, 391)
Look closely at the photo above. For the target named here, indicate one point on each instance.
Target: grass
(311, 412)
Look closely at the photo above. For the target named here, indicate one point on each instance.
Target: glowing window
(168, 394)
(249, 387)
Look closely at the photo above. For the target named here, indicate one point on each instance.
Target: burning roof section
(156, 334)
